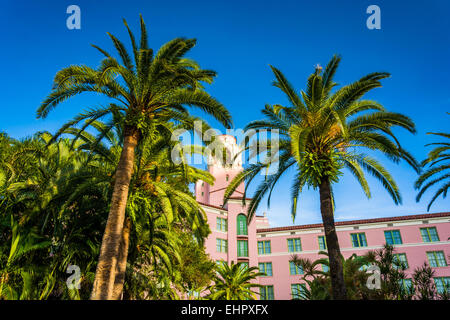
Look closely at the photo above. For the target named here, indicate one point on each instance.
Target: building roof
(212, 206)
(363, 221)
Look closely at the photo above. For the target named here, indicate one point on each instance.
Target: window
(241, 224)
(294, 245)
(264, 247)
(266, 293)
(442, 283)
(436, 259)
(393, 237)
(222, 245)
(228, 177)
(297, 289)
(202, 193)
(294, 269)
(325, 268)
(359, 240)
(322, 243)
(222, 224)
(405, 284)
(242, 248)
(244, 265)
(400, 259)
(429, 234)
(266, 267)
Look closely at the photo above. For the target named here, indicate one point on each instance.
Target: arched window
(242, 224)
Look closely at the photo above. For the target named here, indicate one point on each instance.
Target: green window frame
(295, 269)
(442, 283)
(241, 225)
(406, 284)
(358, 240)
(221, 245)
(297, 289)
(264, 247)
(401, 258)
(294, 244)
(393, 237)
(429, 234)
(242, 248)
(221, 224)
(436, 259)
(266, 293)
(244, 265)
(266, 267)
(322, 243)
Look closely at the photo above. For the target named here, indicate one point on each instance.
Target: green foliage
(392, 276)
(234, 282)
(323, 132)
(438, 162)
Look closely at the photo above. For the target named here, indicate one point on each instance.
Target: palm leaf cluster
(438, 172)
(324, 131)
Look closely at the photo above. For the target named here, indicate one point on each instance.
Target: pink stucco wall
(212, 199)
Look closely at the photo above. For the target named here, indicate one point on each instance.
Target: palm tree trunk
(334, 253)
(122, 263)
(109, 252)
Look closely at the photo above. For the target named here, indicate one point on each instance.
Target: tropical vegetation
(322, 132)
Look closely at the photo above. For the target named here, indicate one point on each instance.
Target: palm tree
(436, 173)
(151, 87)
(321, 133)
(234, 282)
(159, 198)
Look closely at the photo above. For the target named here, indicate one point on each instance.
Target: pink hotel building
(417, 238)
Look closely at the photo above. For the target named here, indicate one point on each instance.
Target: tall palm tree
(145, 89)
(436, 173)
(321, 133)
(159, 197)
(234, 282)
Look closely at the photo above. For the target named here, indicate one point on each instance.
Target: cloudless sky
(239, 39)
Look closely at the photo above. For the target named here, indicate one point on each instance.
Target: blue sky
(239, 39)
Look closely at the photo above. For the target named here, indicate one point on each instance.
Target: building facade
(416, 238)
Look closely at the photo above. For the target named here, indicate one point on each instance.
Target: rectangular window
(429, 234)
(222, 224)
(325, 268)
(400, 259)
(322, 243)
(393, 237)
(294, 245)
(264, 247)
(436, 259)
(406, 284)
(242, 224)
(266, 293)
(266, 267)
(242, 248)
(359, 240)
(244, 265)
(297, 289)
(222, 245)
(442, 283)
(294, 269)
